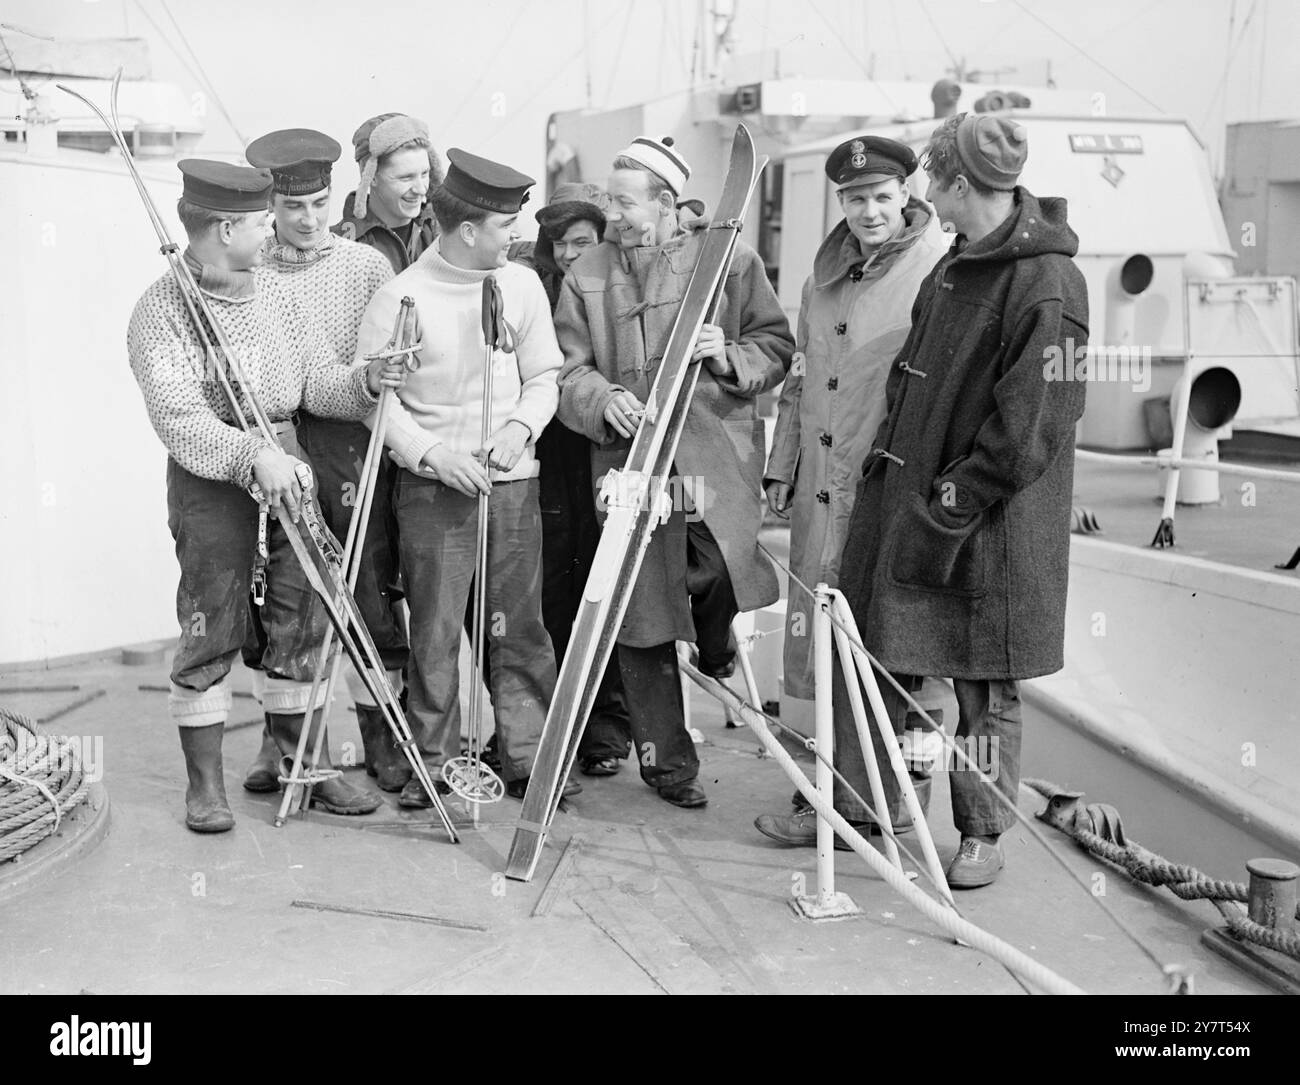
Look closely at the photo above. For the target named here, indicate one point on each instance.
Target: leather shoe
(977, 864)
(687, 794)
(414, 797)
(799, 829)
(601, 766)
(516, 789)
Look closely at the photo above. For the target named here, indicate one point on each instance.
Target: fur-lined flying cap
(377, 137)
(658, 156)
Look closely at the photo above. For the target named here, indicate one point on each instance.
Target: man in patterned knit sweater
(213, 462)
(435, 433)
(333, 279)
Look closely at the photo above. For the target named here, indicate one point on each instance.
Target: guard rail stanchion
(849, 668)
(827, 904)
(868, 676)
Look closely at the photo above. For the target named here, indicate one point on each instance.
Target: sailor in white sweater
(434, 431)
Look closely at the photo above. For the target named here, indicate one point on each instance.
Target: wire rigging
(835, 34)
(203, 72)
(1088, 56)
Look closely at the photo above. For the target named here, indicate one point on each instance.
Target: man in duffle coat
(957, 557)
(616, 310)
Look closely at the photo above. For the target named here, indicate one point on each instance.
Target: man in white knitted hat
(616, 311)
(389, 210)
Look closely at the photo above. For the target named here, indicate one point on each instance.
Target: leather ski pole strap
(497, 332)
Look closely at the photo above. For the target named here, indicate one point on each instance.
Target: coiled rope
(1183, 881)
(41, 780)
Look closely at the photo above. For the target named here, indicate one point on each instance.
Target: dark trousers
(713, 600)
(564, 574)
(437, 529)
(657, 718)
(988, 731)
(652, 678)
(337, 450)
(214, 525)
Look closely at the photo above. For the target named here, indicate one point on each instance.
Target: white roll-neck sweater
(441, 403)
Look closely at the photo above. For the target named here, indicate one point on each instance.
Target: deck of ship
(649, 898)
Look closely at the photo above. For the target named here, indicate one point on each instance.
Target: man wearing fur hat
(333, 279)
(855, 314)
(957, 555)
(388, 211)
(616, 310)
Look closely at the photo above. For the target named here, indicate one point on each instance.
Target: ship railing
(1166, 460)
(834, 629)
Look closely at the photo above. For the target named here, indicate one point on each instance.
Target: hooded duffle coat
(616, 310)
(855, 315)
(958, 552)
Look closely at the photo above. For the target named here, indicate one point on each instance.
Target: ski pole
(468, 776)
(400, 344)
(222, 362)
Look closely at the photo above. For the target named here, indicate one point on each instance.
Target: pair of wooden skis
(316, 550)
(637, 502)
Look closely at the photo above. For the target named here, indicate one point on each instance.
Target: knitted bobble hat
(992, 149)
(659, 157)
(376, 138)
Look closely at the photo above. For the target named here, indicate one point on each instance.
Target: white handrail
(1195, 465)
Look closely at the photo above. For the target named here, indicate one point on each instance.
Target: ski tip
(742, 137)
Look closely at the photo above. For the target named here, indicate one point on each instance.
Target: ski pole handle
(497, 332)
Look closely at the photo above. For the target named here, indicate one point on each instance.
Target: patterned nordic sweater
(286, 361)
(333, 281)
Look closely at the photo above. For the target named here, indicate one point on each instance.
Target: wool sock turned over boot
(384, 758)
(206, 808)
(335, 795)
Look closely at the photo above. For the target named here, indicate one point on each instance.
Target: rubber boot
(206, 808)
(335, 795)
(264, 773)
(384, 758)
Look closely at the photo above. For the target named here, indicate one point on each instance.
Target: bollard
(1271, 902)
(1272, 892)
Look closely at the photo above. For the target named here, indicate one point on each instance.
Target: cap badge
(858, 159)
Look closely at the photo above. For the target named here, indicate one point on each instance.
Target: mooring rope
(1183, 881)
(41, 779)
